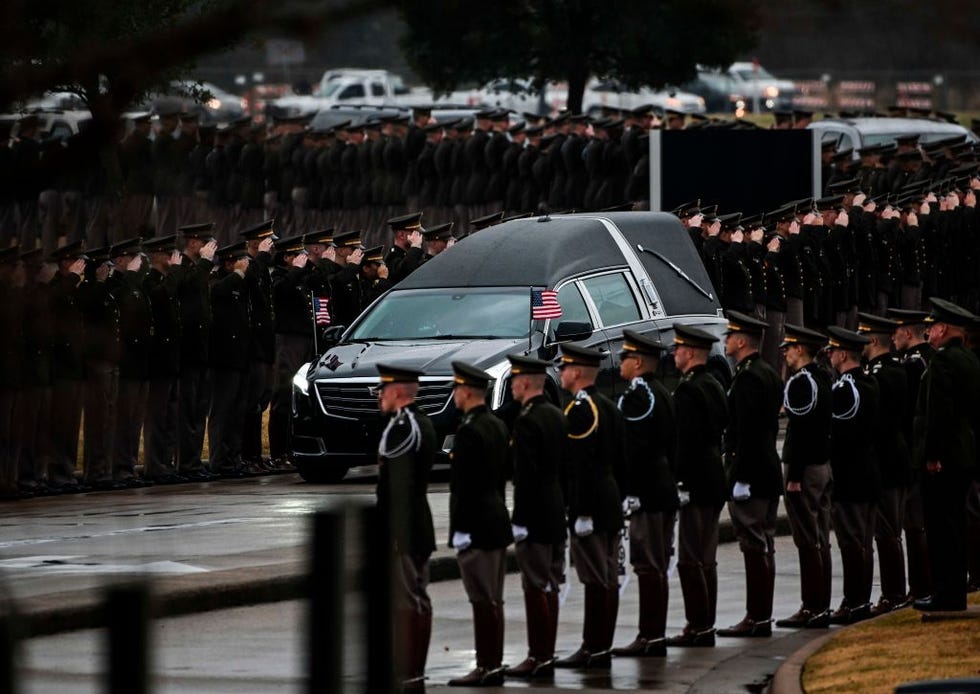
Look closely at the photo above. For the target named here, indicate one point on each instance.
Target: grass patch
(878, 656)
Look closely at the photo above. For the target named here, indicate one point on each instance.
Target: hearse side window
(573, 308)
(613, 299)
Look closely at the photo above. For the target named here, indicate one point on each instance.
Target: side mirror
(572, 331)
(331, 336)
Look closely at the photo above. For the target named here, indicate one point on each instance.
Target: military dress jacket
(894, 461)
(853, 458)
(754, 400)
(649, 444)
(947, 410)
(806, 399)
(538, 449)
(702, 414)
(405, 454)
(596, 470)
(480, 460)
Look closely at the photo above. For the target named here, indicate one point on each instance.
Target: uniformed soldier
(373, 277)
(754, 475)
(125, 284)
(806, 458)
(702, 414)
(537, 443)
(437, 239)
(67, 367)
(914, 353)
(405, 454)
(345, 290)
(478, 523)
(163, 396)
(595, 516)
(894, 461)
(946, 414)
(229, 354)
(292, 306)
(259, 241)
(853, 460)
(194, 299)
(651, 487)
(406, 251)
(101, 353)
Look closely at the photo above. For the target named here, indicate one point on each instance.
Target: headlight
(300, 381)
(772, 92)
(499, 373)
(213, 104)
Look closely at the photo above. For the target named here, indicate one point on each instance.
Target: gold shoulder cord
(595, 418)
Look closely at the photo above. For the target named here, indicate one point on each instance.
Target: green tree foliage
(638, 42)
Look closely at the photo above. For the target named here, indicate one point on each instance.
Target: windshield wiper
(468, 337)
(675, 268)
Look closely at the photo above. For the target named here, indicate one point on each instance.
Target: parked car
(636, 270)
(718, 90)
(854, 133)
(752, 82)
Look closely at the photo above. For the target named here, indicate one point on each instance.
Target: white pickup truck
(346, 86)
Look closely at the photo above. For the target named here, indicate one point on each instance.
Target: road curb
(174, 596)
(788, 678)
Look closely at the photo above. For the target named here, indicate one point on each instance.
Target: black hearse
(611, 271)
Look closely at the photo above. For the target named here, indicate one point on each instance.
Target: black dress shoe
(819, 621)
(936, 604)
(748, 628)
(642, 648)
(584, 660)
(233, 473)
(799, 620)
(108, 486)
(532, 668)
(692, 638)
(480, 677)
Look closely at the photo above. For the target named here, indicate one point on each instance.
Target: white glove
(631, 505)
(741, 491)
(519, 531)
(683, 497)
(583, 526)
(461, 541)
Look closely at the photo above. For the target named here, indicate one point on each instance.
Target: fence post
(326, 632)
(377, 583)
(128, 618)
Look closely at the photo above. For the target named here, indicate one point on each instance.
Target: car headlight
(772, 92)
(499, 373)
(300, 381)
(213, 103)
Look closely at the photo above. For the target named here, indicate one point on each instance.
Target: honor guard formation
(879, 442)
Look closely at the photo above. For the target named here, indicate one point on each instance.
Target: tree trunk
(577, 77)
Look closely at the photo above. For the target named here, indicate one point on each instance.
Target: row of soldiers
(103, 187)
(876, 445)
(162, 344)
(818, 262)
